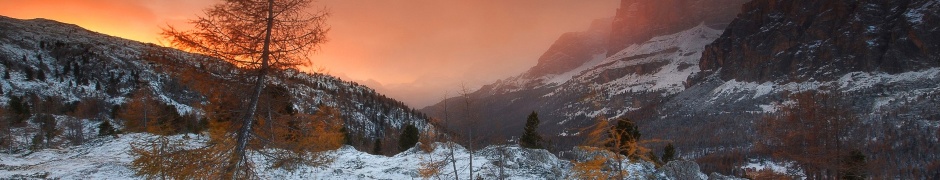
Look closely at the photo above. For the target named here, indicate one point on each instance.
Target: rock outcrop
(682, 169)
(573, 49)
(639, 20)
(795, 40)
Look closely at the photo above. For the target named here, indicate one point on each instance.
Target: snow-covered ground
(110, 158)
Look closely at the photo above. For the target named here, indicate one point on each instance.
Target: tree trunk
(244, 132)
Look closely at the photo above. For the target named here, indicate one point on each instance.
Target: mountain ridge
(712, 112)
(81, 64)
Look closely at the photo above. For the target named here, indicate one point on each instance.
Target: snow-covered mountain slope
(610, 86)
(110, 158)
(705, 90)
(44, 61)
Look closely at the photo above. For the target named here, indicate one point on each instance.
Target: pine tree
(377, 147)
(41, 76)
(408, 138)
(530, 137)
(854, 166)
(29, 74)
(19, 109)
(105, 128)
(625, 133)
(669, 153)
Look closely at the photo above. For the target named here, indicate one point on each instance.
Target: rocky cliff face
(573, 49)
(657, 46)
(809, 39)
(878, 58)
(639, 20)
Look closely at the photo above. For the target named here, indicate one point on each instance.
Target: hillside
(55, 67)
(708, 87)
(621, 66)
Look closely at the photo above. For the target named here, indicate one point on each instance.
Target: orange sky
(412, 50)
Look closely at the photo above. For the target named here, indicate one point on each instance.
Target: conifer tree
(624, 133)
(29, 74)
(42, 75)
(105, 128)
(377, 147)
(409, 137)
(19, 110)
(669, 153)
(853, 166)
(530, 137)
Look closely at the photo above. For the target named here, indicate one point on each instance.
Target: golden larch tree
(261, 36)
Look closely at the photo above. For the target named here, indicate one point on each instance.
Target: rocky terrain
(707, 81)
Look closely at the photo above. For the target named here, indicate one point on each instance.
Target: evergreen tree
(854, 166)
(6, 74)
(377, 147)
(41, 76)
(408, 138)
(669, 153)
(19, 109)
(29, 74)
(346, 137)
(530, 137)
(105, 128)
(626, 132)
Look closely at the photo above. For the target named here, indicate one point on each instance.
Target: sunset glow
(414, 51)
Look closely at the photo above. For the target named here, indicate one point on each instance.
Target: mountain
(823, 40)
(704, 81)
(54, 66)
(81, 79)
(637, 21)
(644, 53)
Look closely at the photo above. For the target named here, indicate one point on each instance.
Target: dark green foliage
(377, 147)
(193, 124)
(346, 137)
(6, 74)
(29, 74)
(37, 142)
(627, 132)
(67, 69)
(105, 128)
(854, 166)
(41, 76)
(655, 159)
(408, 139)
(669, 153)
(530, 137)
(172, 119)
(19, 109)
